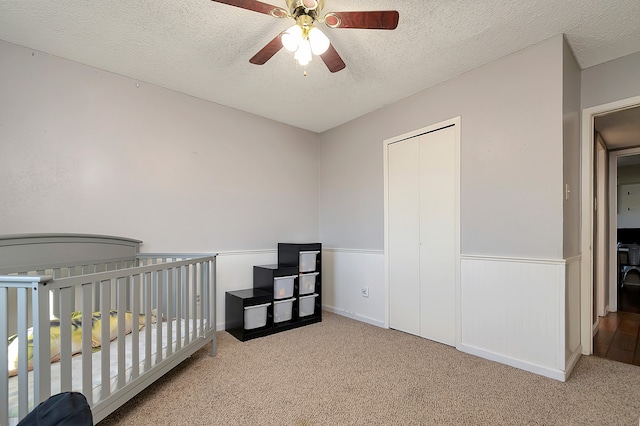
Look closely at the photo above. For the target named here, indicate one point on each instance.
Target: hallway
(617, 336)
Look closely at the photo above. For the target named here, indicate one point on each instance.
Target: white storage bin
(307, 261)
(307, 283)
(283, 287)
(307, 305)
(282, 310)
(255, 316)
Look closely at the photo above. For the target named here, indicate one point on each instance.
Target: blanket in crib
(76, 336)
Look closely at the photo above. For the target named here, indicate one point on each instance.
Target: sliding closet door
(403, 238)
(422, 233)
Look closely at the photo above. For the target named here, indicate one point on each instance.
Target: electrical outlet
(198, 299)
(365, 291)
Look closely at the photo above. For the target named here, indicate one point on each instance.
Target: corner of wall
(571, 116)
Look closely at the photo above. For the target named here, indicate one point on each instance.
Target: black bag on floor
(63, 409)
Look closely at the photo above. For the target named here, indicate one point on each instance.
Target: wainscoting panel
(513, 312)
(573, 346)
(235, 272)
(344, 273)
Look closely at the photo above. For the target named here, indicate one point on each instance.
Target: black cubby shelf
(277, 283)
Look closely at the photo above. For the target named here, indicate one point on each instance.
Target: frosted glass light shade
(303, 54)
(319, 41)
(291, 38)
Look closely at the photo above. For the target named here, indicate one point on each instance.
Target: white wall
(612, 81)
(511, 158)
(87, 151)
(519, 142)
(98, 154)
(571, 152)
(571, 113)
(344, 274)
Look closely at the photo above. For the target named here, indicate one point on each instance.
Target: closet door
(438, 235)
(422, 215)
(403, 236)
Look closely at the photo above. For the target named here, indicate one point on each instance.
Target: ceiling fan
(306, 40)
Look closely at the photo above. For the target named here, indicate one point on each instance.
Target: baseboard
(220, 326)
(535, 260)
(523, 365)
(354, 316)
(573, 360)
(594, 329)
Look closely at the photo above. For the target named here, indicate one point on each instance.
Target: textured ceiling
(202, 48)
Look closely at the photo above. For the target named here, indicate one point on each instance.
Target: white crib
(49, 276)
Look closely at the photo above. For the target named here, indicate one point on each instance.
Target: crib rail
(67, 269)
(172, 295)
(25, 287)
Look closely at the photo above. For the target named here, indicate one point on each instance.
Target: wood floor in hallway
(617, 337)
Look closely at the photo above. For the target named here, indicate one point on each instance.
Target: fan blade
(268, 51)
(375, 20)
(333, 61)
(254, 5)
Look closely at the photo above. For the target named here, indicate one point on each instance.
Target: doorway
(609, 327)
(625, 222)
(617, 336)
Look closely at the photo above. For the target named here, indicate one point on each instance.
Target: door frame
(587, 225)
(601, 231)
(613, 223)
(456, 123)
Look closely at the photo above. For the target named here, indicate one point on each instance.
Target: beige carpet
(344, 372)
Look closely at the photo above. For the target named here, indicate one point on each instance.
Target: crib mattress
(76, 365)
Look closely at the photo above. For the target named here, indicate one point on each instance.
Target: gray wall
(628, 174)
(612, 81)
(87, 151)
(511, 159)
(628, 205)
(571, 114)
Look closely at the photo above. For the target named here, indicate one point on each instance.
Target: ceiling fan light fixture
(309, 4)
(319, 41)
(303, 54)
(332, 20)
(291, 38)
(278, 12)
(305, 41)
